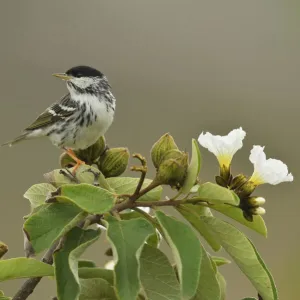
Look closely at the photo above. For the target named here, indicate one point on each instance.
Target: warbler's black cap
(84, 71)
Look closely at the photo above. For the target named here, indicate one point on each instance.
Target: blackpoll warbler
(78, 119)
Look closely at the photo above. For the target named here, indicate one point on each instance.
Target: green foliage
(192, 214)
(38, 192)
(126, 248)
(98, 202)
(193, 169)
(66, 261)
(127, 185)
(95, 289)
(236, 214)
(188, 259)
(50, 223)
(153, 261)
(65, 209)
(216, 194)
(245, 255)
(208, 286)
(22, 267)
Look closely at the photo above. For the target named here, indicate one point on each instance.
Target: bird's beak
(62, 76)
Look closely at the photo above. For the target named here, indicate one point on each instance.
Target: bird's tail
(16, 140)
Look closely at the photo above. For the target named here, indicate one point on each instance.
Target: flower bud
(66, 161)
(238, 181)
(92, 153)
(173, 171)
(161, 147)
(114, 162)
(256, 201)
(245, 190)
(258, 211)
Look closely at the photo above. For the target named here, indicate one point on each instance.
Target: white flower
(272, 171)
(223, 147)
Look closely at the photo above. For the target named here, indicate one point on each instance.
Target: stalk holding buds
(114, 162)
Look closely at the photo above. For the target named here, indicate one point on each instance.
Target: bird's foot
(79, 162)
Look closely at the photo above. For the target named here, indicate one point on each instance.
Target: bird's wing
(64, 108)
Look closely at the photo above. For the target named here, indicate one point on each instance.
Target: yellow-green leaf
(127, 239)
(157, 275)
(127, 185)
(193, 169)
(242, 251)
(235, 213)
(89, 198)
(66, 261)
(186, 250)
(22, 267)
(216, 194)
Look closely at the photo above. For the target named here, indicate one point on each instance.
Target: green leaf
(50, 223)
(236, 213)
(127, 239)
(38, 193)
(245, 255)
(186, 250)
(96, 289)
(86, 273)
(89, 198)
(193, 169)
(216, 194)
(208, 287)
(22, 267)
(222, 285)
(66, 261)
(83, 175)
(127, 185)
(220, 261)
(86, 264)
(192, 214)
(157, 275)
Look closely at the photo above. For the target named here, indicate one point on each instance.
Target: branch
(143, 169)
(29, 285)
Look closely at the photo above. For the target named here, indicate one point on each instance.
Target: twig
(143, 169)
(66, 172)
(29, 285)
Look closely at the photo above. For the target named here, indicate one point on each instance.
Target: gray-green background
(178, 66)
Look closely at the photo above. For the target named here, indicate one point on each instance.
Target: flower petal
(272, 171)
(223, 147)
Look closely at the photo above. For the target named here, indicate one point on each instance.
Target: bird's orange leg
(79, 162)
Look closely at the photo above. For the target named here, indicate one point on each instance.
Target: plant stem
(29, 285)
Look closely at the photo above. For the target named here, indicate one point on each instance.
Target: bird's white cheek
(82, 82)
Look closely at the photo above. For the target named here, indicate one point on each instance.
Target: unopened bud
(238, 181)
(92, 153)
(161, 147)
(258, 211)
(173, 171)
(66, 161)
(256, 201)
(245, 190)
(114, 162)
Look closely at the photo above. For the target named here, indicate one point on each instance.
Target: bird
(79, 118)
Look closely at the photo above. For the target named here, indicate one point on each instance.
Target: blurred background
(175, 66)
